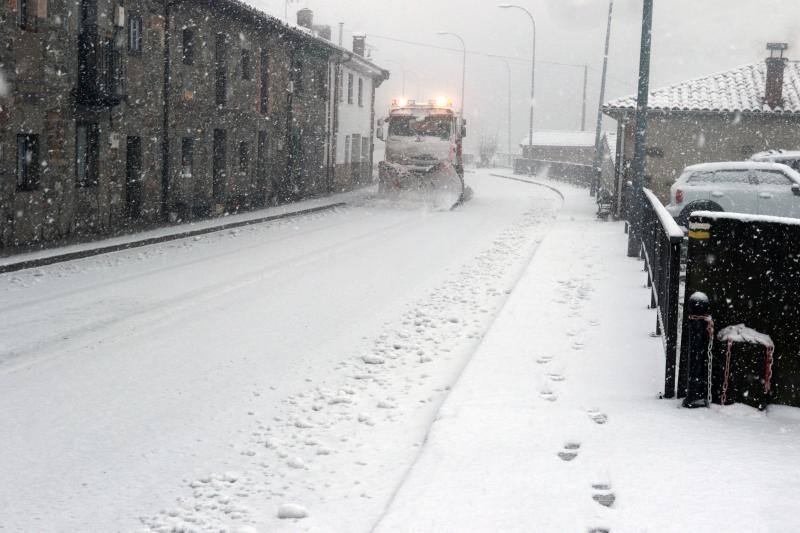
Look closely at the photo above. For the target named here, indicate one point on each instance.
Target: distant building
(564, 146)
(727, 116)
(567, 155)
(118, 115)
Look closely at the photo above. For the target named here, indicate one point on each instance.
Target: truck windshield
(429, 126)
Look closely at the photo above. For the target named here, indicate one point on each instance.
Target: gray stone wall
(273, 153)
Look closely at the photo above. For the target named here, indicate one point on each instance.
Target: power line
(472, 52)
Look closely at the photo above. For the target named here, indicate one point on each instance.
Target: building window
(355, 152)
(27, 162)
(134, 34)
(221, 70)
(247, 73)
(349, 88)
(188, 46)
(347, 149)
(87, 151)
(361, 92)
(364, 149)
(261, 157)
(24, 15)
(340, 85)
(264, 97)
(187, 157)
(243, 156)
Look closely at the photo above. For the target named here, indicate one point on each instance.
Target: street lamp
(508, 68)
(403, 70)
(598, 149)
(639, 152)
(463, 66)
(533, 80)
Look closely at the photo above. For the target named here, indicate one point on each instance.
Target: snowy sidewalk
(48, 256)
(555, 424)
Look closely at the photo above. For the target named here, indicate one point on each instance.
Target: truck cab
(419, 138)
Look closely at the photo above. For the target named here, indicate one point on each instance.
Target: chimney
(776, 64)
(323, 31)
(359, 44)
(305, 18)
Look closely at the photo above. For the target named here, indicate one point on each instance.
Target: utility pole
(583, 109)
(598, 146)
(638, 165)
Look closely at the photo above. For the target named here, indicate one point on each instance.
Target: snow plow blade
(439, 185)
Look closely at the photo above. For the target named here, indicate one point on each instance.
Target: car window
(701, 177)
(720, 176)
(771, 177)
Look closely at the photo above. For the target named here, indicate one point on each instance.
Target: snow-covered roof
(739, 89)
(560, 138)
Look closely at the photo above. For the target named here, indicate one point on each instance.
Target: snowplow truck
(423, 151)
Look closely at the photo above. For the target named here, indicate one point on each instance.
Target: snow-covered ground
(289, 368)
(555, 424)
(377, 366)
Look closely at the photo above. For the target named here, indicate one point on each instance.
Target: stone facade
(90, 144)
(676, 140)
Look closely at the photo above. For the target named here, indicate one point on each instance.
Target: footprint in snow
(597, 417)
(599, 530)
(555, 376)
(603, 495)
(548, 395)
(544, 359)
(570, 451)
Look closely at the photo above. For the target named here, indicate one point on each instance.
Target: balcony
(99, 72)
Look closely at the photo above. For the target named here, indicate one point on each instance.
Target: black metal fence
(749, 269)
(661, 240)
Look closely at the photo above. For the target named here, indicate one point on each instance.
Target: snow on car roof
(776, 155)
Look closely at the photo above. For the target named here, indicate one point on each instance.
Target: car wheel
(683, 218)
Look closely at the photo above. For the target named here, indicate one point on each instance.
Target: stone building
(727, 116)
(118, 114)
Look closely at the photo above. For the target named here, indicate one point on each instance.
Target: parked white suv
(738, 187)
(790, 158)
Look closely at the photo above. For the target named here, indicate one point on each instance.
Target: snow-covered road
(204, 383)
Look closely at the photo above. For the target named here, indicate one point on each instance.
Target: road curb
(71, 256)
(532, 182)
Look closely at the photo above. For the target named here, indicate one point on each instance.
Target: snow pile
(292, 510)
(741, 333)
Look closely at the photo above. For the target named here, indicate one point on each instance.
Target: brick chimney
(305, 18)
(776, 64)
(359, 44)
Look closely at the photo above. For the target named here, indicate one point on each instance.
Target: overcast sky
(691, 38)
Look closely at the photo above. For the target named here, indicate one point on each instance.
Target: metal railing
(661, 240)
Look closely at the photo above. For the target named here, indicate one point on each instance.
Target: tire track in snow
(347, 440)
(162, 312)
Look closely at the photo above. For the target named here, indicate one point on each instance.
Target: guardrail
(660, 242)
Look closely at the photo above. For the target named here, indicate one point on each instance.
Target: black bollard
(697, 382)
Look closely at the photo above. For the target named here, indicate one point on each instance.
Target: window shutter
(41, 9)
(12, 5)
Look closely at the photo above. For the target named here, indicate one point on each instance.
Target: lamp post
(508, 68)
(639, 152)
(533, 80)
(463, 66)
(598, 148)
(403, 70)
